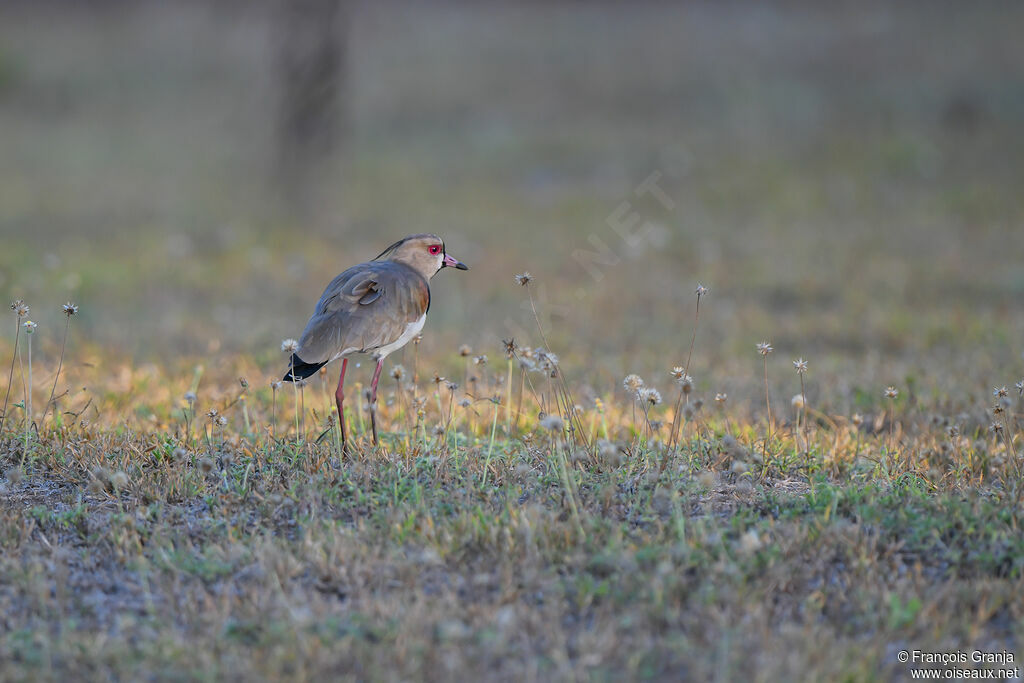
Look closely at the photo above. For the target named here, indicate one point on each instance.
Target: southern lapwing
(376, 308)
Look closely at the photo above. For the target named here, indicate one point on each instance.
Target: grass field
(844, 181)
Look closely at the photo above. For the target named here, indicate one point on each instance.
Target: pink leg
(373, 400)
(339, 399)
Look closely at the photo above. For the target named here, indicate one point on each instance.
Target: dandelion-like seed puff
(552, 423)
(891, 392)
(649, 395)
(764, 348)
(632, 383)
(524, 278)
(119, 480)
(289, 346)
(800, 365)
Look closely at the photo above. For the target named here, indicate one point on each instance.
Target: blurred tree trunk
(312, 73)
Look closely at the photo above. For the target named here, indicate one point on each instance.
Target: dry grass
(141, 540)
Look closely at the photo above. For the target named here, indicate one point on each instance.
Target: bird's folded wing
(366, 307)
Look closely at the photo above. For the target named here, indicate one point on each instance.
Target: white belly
(411, 330)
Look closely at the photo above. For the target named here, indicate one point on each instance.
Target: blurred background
(846, 178)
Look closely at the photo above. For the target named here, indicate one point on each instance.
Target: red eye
(435, 249)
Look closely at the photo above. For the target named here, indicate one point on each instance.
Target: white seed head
(20, 308)
(632, 383)
(649, 395)
(701, 290)
(289, 346)
(891, 392)
(70, 309)
(552, 423)
(546, 359)
(750, 542)
(119, 480)
(764, 348)
(524, 278)
(797, 401)
(800, 365)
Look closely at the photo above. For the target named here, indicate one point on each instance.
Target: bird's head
(424, 253)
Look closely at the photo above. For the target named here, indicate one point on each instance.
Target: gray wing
(366, 307)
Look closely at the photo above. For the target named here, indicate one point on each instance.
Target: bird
(373, 308)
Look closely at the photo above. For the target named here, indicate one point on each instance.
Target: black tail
(300, 369)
